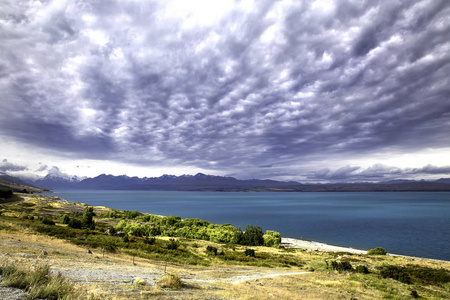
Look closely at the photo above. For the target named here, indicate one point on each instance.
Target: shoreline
(311, 245)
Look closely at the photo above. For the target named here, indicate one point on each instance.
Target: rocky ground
(114, 272)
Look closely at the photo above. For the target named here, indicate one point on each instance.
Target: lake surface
(407, 223)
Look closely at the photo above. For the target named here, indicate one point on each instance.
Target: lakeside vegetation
(193, 244)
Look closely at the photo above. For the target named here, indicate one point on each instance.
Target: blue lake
(407, 223)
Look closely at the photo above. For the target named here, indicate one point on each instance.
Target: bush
(47, 221)
(416, 274)
(425, 275)
(173, 244)
(272, 239)
(377, 251)
(149, 241)
(111, 231)
(211, 250)
(362, 269)
(65, 219)
(132, 214)
(250, 252)
(395, 272)
(341, 266)
(75, 223)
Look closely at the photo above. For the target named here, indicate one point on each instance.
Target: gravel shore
(294, 243)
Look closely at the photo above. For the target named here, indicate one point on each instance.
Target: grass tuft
(38, 282)
(170, 281)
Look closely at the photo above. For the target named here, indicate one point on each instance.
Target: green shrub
(48, 221)
(75, 223)
(362, 269)
(395, 272)
(425, 275)
(173, 244)
(272, 239)
(377, 251)
(132, 214)
(149, 241)
(250, 252)
(211, 250)
(65, 219)
(341, 266)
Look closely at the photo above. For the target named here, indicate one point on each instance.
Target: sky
(313, 91)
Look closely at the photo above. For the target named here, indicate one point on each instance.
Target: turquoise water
(407, 223)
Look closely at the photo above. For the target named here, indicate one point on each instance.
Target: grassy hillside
(166, 266)
(17, 185)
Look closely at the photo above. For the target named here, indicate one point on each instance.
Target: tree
(65, 219)
(87, 220)
(272, 239)
(253, 236)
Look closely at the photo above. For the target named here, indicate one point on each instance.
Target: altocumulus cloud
(229, 86)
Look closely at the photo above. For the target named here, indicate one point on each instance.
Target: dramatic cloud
(42, 168)
(429, 169)
(249, 88)
(6, 166)
(376, 173)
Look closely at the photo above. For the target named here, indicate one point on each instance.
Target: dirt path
(236, 279)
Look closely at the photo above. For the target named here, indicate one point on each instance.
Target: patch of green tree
(86, 221)
(153, 225)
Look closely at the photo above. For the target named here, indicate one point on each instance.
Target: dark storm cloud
(6, 166)
(274, 85)
(376, 173)
(42, 168)
(430, 169)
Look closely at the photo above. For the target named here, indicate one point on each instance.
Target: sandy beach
(307, 245)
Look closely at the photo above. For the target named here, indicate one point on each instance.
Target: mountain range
(203, 182)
